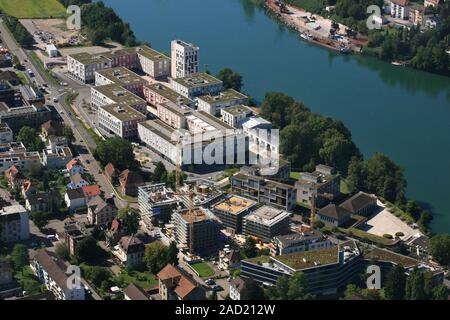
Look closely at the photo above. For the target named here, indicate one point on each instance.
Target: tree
(19, 257)
(30, 138)
(62, 252)
(40, 219)
(68, 133)
(230, 79)
(415, 286)
(280, 290)
(97, 37)
(440, 292)
(130, 218)
(159, 171)
(252, 291)
(298, 288)
(440, 248)
(249, 249)
(87, 250)
(118, 151)
(395, 284)
(97, 275)
(155, 256)
(172, 253)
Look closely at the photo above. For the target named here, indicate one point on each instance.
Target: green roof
(389, 256)
(197, 80)
(121, 76)
(123, 112)
(237, 110)
(169, 94)
(87, 58)
(151, 54)
(226, 95)
(119, 94)
(159, 128)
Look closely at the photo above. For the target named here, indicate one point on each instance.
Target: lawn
(142, 279)
(309, 5)
(33, 8)
(28, 281)
(40, 65)
(295, 175)
(203, 269)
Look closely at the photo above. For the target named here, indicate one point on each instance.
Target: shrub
(387, 236)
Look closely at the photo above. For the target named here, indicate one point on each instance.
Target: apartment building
(416, 15)
(158, 136)
(173, 114)
(82, 66)
(400, 9)
(157, 202)
(31, 116)
(212, 104)
(236, 115)
(267, 222)
(232, 210)
(261, 142)
(130, 251)
(324, 183)
(299, 242)
(260, 189)
(14, 224)
(155, 64)
(126, 58)
(6, 134)
(6, 92)
(121, 120)
(31, 95)
(157, 93)
(185, 59)
(56, 158)
(122, 77)
(74, 232)
(52, 272)
(115, 94)
(101, 212)
(431, 3)
(198, 231)
(12, 155)
(195, 85)
(176, 284)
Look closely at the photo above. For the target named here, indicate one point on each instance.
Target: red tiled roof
(71, 164)
(110, 169)
(183, 285)
(91, 191)
(402, 3)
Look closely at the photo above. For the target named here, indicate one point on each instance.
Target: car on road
(30, 72)
(217, 288)
(55, 100)
(210, 282)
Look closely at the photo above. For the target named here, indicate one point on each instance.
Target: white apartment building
(185, 59)
(195, 85)
(121, 120)
(214, 103)
(158, 136)
(16, 154)
(153, 63)
(82, 66)
(236, 115)
(400, 9)
(56, 158)
(6, 134)
(114, 94)
(122, 77)
(261, 142)
(173, 115)
(52, 272)
(14, 224)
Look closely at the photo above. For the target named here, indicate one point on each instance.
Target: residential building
(229, 259)
(130, 251)
(6, 134)
(57, 158)
(324, 183)
(101, 212)
(74, 166)
(269, 192)
(43, 201)
(153, 63)
(283, 173)
(15, 176)
(77, 181)
(238, 286)
(298, 242)
(31, 95)
(114, 94)
(111, 172)
(15, 154)
(120, 120)
(431, 3)
(400, 9)
(134, 292)
(195, 85)
(416, 15)
(156, 94)
(235, 116)
(57, 142)
(27, 116)
(326, 270)
(125, 57)
(14, 224)
(158, 137)
(157, 202)
(362, 203)
(74, 199)
(122, 77)
(232, 210)
(82, 66)
(10, 77)
(185, 59)
(74, 232)
(261, 141)
(333, 215)
(203, 193)
(90, 192)
(53, 273)
(28, 188)
(173, 115)
(52, 128)
(6, 92)
(176, 284)
(212, 104)
(267, 222)
(130, 181)
(197, 232)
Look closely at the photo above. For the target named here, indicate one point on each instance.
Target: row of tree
(20, 33)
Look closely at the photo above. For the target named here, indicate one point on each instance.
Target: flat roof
(235, 204)
(159, 128)
(389, 256)
(198, 215)
(123, 112)
(173, 107)
(12, 209)
(185, 44)
(200, 79)
(237, 110)
(267, 215)
(119, 94)
(169, 94)
(226, 95)
(212, 120)
(151, 54)
(121, 76)
(87, 58)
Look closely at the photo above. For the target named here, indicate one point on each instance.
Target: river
(401, 112)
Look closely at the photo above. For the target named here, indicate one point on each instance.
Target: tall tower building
(185, 59)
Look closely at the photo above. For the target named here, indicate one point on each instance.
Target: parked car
(210, 282)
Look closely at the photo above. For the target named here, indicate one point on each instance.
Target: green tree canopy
(249, 249)
(440, 248)
(130, 218)
(230, 79)
(156, 256)
(118, 151)
(19, 256)
(395, 286)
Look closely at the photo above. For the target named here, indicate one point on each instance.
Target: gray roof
(53, 266)
(358, 202)
(333, 211)
(135, 292)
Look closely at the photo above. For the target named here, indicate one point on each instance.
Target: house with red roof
(90, 192)
(111, 172)
(14, 176)
(130, 181)
(176, 284)
(74, 166)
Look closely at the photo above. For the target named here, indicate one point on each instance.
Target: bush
(399, 234)
(387, 236)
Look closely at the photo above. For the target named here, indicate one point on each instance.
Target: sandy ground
(385, 222)
(55, 30)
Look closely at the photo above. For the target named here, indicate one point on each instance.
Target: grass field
(203, 269)
(309, 5)
(33, 8)
(143, 279)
